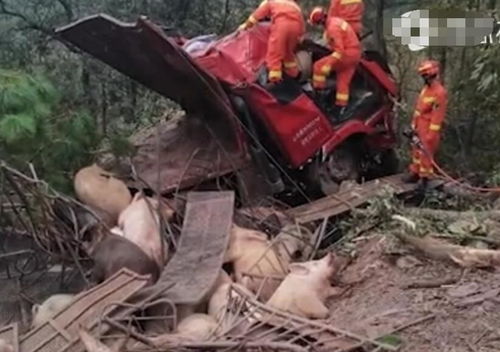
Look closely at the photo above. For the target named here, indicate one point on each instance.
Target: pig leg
(313, 308)
(98, 275)
(335, 292)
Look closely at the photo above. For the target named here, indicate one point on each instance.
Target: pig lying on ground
(49, 308)
(292, 241)
(99, 190)
(224, 306)
(159, 326)
(194, 328)
(251, 253)
(198, 327)
(306, 289)
(114, 253)
(140, 224)
(5, 347)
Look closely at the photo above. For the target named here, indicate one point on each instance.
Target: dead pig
(292, 241)
(194, 328)
(116, 252)
(49, 308)
(140, 224)
(257, 266)
(183, 311)
(102, 192)
(306, 288)
(5, 347)
(198, 327)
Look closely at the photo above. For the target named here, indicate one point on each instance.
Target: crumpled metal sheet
(61, 332)
(143, 52)
(205, 237)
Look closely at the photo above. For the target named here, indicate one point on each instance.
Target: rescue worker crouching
(287, 30)
(427, 123)
(345, 56)
(351, 11)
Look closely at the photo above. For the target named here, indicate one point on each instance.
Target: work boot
(410, 177)
(322, 99)
(422, 184)
(337, 112)
(271, 84)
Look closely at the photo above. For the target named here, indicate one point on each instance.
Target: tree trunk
(104, 108)
(88, 96)
(132, 102)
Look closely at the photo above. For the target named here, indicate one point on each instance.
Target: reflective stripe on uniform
(416, 161)
(337, 55)
(326, 69)
(423, 170)
(275, 74)
(434, 127)
(290, 64)
(417, 113)
(344, 25)
(263, 3)
(319, 78)
(342, 97)
(429, 99)
(347, 2)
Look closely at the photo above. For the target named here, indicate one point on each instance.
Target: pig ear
(138, 196)
(34, 309)
(298, 268)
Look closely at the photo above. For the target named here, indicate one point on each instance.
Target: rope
(446, 176)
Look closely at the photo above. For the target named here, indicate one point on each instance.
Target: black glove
(409, 133)
(417, 142)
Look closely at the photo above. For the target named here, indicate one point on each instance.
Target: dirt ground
(461, 313)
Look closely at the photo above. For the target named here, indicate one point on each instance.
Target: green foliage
(391, 340)
(34, 129)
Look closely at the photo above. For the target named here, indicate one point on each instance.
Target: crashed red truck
(294, 145)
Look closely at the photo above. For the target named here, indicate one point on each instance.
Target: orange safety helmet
(429, 68)
(317, 15)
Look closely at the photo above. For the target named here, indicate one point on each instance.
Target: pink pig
(140, 224)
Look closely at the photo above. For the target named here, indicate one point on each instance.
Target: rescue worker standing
(427, 122)
(351, 11)
(287, 30)
(345, 56)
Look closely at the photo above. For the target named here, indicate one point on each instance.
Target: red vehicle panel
(237, 57)
(209, 82)
(298, 126)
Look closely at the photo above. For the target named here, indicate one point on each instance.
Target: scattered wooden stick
(433, 283)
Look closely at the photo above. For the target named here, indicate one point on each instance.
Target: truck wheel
(341, 165)
(389, 163)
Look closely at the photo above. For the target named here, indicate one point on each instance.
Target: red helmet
(429, 68)
(317, 16)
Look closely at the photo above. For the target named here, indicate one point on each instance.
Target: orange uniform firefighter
(351, 11)
(427, 122)
(345, 56)
(287, 30)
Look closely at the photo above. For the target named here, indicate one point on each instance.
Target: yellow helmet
(317, 15)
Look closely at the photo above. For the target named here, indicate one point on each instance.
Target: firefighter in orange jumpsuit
(345, 56)
(287, 30)
(427, 123)
(351, 11)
